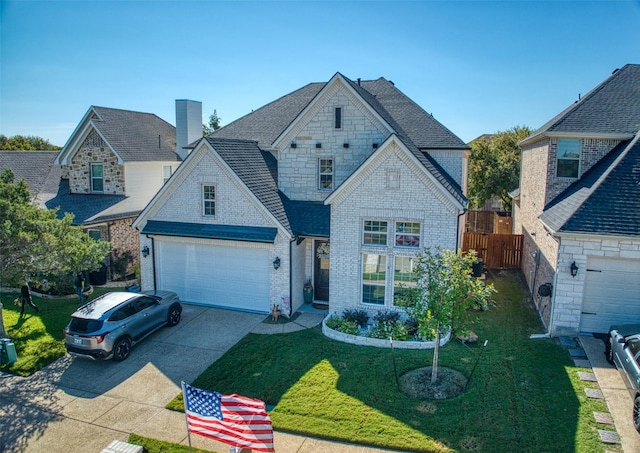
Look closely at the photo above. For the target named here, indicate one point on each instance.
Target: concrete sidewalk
(614, 391)
(82, 406)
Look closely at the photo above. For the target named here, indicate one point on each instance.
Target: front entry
(321, 270)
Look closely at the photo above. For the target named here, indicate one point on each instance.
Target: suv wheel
(609, 351)
(174, 315)
(636, 413)
(121, 349)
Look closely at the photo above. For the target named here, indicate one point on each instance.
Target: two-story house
(338, 183)
(578, 208)
(113, 164)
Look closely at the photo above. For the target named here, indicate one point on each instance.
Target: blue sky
(478, 67)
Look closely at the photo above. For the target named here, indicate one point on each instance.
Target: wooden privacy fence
(503, 251)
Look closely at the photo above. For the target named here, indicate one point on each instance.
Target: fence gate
(498, 251)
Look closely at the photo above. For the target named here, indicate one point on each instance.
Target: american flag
(232, 419)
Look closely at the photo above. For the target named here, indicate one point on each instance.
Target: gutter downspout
(458, 244)
(153, 260)
(291, 241)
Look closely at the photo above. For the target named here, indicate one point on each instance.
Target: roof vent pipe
(358, 81)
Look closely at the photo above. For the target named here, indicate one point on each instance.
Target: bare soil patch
(417, 383)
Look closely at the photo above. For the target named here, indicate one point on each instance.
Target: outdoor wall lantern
(345, 145)
(145, 251)
(574, 269)
(294, 144)
(276, 263)
(318, 145)
(375, 146)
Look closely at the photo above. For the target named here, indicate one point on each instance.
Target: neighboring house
(340, 183)
(578, 208)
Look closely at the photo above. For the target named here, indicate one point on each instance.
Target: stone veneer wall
(94, 150)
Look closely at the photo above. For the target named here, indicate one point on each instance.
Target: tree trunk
(436, 350)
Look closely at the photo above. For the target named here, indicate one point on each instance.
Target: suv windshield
(82, 325)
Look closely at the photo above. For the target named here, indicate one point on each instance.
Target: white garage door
(232, 277)
(611, 294)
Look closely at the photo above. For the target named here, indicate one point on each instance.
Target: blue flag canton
(205, 403)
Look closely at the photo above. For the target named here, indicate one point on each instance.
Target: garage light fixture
(276, 263)
(574, 269)
(145, 251)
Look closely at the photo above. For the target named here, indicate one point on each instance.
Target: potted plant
(307, 292)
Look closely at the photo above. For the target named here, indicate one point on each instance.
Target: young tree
(494, 166)
(212, 125)
(444, 294)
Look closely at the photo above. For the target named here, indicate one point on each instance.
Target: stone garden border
(377, 342)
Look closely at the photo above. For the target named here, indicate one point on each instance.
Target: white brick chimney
(188, 124)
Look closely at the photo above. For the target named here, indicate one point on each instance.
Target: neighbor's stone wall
(95, 150)
(125, 238)
(415, 198)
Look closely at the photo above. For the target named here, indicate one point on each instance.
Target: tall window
(208, 200)
(338, 118)
(166, 173)
(568, 159)
(408, 234)
(97, 179)
(374, 278)
(375, 232)
(325, 174)
(404, 280)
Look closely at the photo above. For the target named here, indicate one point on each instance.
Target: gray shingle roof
(606, 200)
(613, 107)
(418, 130)
(256, 169)
(37, 170)
(83, 206)
(137, 136)
(308, 218)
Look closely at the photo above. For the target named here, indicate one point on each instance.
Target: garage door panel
(611, 294)
(234, 277)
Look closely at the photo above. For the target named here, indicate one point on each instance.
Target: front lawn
(38, 336)
(524, 396)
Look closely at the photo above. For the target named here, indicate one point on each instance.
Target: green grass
(157, 446)
(38, 336)
(524, 396)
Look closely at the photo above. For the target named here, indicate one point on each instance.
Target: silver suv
(108, 326)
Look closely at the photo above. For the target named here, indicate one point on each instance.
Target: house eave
(577, 135)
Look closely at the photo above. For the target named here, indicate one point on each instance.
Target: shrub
(360, 317)
(386, 316)
(342, 325)
(391, 329)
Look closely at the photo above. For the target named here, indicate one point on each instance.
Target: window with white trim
(97, 178)
(208, 200)
(404, 281)
(375, 232)
(374, 278)
(407, 234)
(325, 174)
(166, 173)
(568, 153)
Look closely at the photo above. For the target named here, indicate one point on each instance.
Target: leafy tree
(212, 125)
(494, 166)
(33, 240)
(26, 143)
(444, 294)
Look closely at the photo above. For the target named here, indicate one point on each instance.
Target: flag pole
(186, 419)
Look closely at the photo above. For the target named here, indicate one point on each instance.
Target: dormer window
(568, 159)
(338, 118)
(97, 178)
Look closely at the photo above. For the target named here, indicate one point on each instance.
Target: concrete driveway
(77, 405)
(614, 391)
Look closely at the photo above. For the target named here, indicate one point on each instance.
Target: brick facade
(546, 258)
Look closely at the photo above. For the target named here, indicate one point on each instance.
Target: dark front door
(321, 270)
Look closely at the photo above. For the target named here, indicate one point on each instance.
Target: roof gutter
(590, 135)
